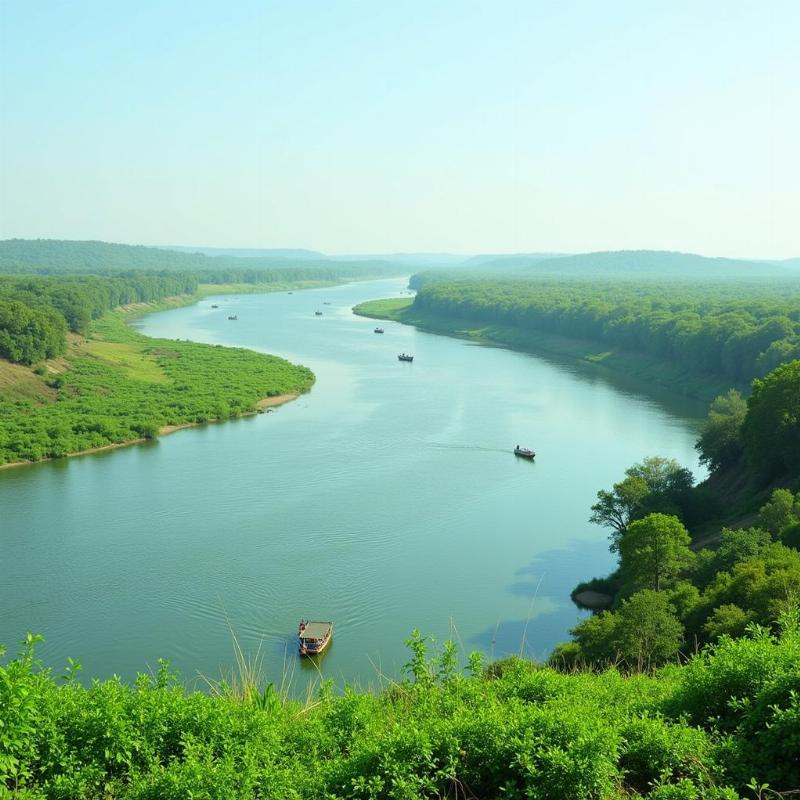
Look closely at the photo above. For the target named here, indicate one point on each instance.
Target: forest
(736, 330)
(670, 594)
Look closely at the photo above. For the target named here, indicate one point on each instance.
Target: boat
(318, 313)
(326, 303)
(404, 357)
(378, 330)
(213, 306)
(233, 317)
(313, 637)
(289, 292)
(524, 452)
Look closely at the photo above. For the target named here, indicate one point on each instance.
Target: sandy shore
(265, 402)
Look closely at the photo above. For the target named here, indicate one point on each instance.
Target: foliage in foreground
(728, 719)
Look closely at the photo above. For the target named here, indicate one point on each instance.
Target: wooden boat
(378, 330)
(524, 452)
(318, 313)
(404, 357)
(233, 317)
(313, 637)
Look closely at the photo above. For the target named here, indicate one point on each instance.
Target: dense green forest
(666, 597)
(736, 330)
(35, 311)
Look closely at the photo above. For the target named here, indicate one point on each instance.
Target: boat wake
(475, 447)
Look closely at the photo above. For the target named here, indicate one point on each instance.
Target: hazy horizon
(446, 127)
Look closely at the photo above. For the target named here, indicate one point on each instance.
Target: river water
(386, 499)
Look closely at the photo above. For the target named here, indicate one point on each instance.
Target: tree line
(37, 311)
(739, 330)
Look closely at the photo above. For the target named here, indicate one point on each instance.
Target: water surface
(387, 499)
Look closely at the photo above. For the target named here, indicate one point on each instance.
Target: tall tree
(616, 509)
(653, 551)
(648, 632)
(771, 430)
(720, 442)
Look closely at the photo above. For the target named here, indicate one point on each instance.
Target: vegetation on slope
(666, 598)
(723, 726)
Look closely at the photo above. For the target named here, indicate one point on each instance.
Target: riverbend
(386, 499)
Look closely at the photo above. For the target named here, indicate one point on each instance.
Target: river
(386, 499)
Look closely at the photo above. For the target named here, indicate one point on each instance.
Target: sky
(424, 125)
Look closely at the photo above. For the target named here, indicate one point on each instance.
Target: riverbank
(591, 356)
(116, 387)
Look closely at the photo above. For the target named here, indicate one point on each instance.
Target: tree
(726, 620)
(771, 430)
(667, 480)
(655, 485)
(720, 442)
(653, 551)
(647, 632)
(616, 509)
(596, 636)
(781, 511)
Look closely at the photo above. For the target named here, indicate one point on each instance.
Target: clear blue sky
(377, 126)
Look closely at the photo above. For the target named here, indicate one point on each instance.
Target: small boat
(234, 317)
(289, 292)
(326, 303)
(317, 313)
(405, 357)
(313, 637)
(524, 452)
(214, 306)
(378, 330)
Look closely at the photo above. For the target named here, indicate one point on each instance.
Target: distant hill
(51, 256)
(411, 260)
(509, 259)
(628, 264)
(790, 263)
(247, 252)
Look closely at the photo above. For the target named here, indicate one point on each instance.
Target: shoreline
(165, 430)
(619, 366)
(132, 311)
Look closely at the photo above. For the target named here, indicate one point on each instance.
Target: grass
(22, 384)
(133, 360)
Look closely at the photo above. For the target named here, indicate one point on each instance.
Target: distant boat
(289, 292)
(524, 452)
(326, 303)
(234, 317)
(378, 330)
(214, 306)
(318, 313)
(404, 357)
(313, 637)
